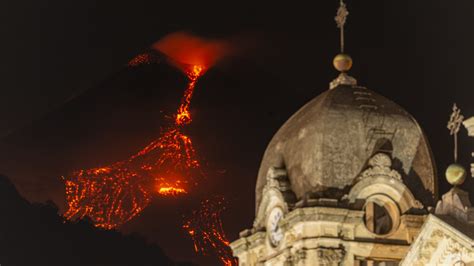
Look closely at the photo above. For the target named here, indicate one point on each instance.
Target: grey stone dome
(328, 142)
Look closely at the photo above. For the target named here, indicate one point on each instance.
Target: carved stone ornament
(343, 79)
(450, 248)
(300, 255)
(296, 257)
(277, 178)
(330, 256)
(290, 261)
(277, 192)
(380, 165)
(456, 203)
(274, 176)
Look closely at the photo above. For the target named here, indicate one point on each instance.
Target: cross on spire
(342, 62)
(341, 18)
(454, 124)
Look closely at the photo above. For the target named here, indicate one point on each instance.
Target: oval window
(381, 215)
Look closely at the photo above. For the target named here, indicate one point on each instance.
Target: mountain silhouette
(34, 234)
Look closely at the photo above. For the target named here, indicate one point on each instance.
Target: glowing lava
(114, 194)
(142, 59)
(205, 228)
(171, 191)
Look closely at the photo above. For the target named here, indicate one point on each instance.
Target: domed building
(349, 179)
(329, 142)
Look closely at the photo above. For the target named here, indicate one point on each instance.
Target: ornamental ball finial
(342, 62)
(455, 174)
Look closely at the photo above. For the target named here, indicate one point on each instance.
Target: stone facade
(447, 236)
(331, 232)
(350, 180)
(442, 243)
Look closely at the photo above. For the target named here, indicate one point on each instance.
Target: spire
(341, 19)
(342, 62)
(454, 124)
(455, 173)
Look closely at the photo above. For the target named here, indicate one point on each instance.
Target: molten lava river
(114, 194)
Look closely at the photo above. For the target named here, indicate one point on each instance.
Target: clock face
(275, 234)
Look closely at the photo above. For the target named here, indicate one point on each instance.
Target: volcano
(112, 121)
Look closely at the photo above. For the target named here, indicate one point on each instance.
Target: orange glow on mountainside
(205, 228)
(114, 194)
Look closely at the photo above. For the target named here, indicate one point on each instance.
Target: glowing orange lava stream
(205, 228)
(114, 194)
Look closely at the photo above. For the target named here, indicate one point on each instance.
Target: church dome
(329, 141)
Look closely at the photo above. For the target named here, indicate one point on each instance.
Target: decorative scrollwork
(380, 165)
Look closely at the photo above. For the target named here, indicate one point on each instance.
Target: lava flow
(114, 194)
(205, 228)
(144, 59)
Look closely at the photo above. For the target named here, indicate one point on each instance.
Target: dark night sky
(417, 53)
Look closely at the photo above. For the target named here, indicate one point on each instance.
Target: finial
(455, 173)
(454, 124)
(341, 19)
(342, 62)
